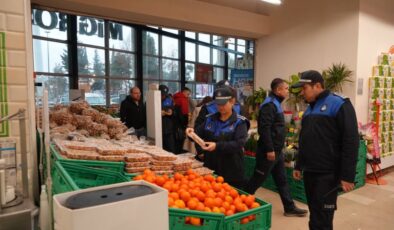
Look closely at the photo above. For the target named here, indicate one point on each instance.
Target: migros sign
(87, 26)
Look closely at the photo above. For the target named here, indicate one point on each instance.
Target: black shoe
(296, 212)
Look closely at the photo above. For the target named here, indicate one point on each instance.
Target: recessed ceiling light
(275, 2)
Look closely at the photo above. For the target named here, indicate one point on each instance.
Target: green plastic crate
(61, 180)
(362, 149)
(249, 166)
(86, 177)
(297, 187)
(68, 177)
(210, 221)
(107, 165)
(262, 221)
(216, 221)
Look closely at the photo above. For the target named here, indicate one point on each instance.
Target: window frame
(137, 52)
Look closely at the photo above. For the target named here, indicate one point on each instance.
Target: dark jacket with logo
(230, 137)
(131, 114)
(271, 125)
(329, 138)
(211, 108)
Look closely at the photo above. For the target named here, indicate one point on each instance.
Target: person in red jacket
(181, 99)
(181, 110)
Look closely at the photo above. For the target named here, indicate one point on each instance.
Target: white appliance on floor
(136, 205)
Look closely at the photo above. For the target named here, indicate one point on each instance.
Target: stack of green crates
(70, 177)
(65, 175)
(297, 187)
(361, 165)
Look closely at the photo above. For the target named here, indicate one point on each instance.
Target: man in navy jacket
(328, 149)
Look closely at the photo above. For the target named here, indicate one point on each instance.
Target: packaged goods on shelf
(78, 145)
(111, 149)
(203, 171)
(137, 169)
(161, 163)
(137, 164)
(110, 157)
(81, 154)
(197, 164)
(187, 155)
(162, 155)
(168, 172)
(137, 157)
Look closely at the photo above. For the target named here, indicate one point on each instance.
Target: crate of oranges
(208, 202)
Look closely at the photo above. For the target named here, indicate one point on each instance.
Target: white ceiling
(254, 6)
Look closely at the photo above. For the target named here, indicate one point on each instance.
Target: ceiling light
(275, 2)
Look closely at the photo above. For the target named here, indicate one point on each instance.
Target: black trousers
(276, 168)
(322, 199)
(169, 142)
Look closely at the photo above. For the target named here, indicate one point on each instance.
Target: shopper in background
(211, 107)
(189, 145)
(133, 112)
(181, 117)
(192, 107)
(167, 114)
(269, 155)
(181, 99)
(328, 147)
(225, 133)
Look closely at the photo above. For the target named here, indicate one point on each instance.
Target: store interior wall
(376, 35)
(15, 21)
(180, 14)
(309, 34)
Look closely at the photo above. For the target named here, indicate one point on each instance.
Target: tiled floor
(368, 208)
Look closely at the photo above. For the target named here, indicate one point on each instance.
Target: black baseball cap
(222, 83)
(309, 77)
(163, 89)
(223, 95)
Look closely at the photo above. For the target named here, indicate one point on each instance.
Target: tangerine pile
(202, 193)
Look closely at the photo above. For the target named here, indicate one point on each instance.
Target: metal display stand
(19, 213)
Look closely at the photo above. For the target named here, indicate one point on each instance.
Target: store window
(161, 60)
(205, 60)
(57, 86)
(50, 53)
(45, 60)
(104, 54)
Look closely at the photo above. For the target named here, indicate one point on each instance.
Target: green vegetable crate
(70, 177)
(297, 187)
(218, 221)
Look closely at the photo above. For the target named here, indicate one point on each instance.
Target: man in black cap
(269, 155)
(328, 146)
(225, 133)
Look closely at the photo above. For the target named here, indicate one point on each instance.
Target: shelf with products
(381, 102)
